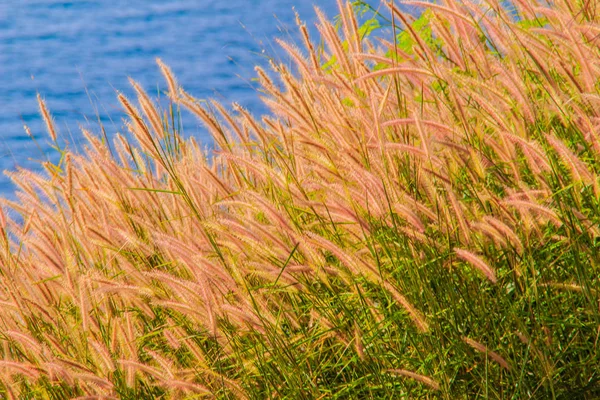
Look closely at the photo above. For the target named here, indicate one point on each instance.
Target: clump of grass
(417, 218)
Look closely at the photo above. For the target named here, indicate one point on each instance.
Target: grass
(419, 217)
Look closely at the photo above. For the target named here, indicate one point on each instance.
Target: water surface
(77, 54)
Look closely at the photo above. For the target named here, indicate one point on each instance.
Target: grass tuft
(418, 217)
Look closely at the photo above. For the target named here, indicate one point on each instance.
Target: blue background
(77, 54)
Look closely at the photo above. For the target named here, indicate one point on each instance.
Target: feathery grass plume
(461, 219)
(418, 319)
(170, 78)
(316, 66)
(218, 134)
(524, 206)
(478, 263)
(577, 167)
(138, 129)
(421, 378)
(567, 286)
(483, 349)
(504, 229)
(333, 41)
(148, 108)
(490, 232)
(47, 118)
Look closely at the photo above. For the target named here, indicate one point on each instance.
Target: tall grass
(418, 218)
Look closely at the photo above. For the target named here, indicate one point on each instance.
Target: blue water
(77, 54)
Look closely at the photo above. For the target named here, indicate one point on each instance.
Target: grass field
(418, 217)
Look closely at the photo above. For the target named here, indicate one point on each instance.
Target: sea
(78, 55)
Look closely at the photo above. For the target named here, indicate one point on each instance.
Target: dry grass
(408, 199)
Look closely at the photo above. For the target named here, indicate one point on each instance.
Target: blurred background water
(78, 53)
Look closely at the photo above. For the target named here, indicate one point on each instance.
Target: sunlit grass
(419, 217)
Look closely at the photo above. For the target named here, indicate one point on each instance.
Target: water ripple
(66, 50)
